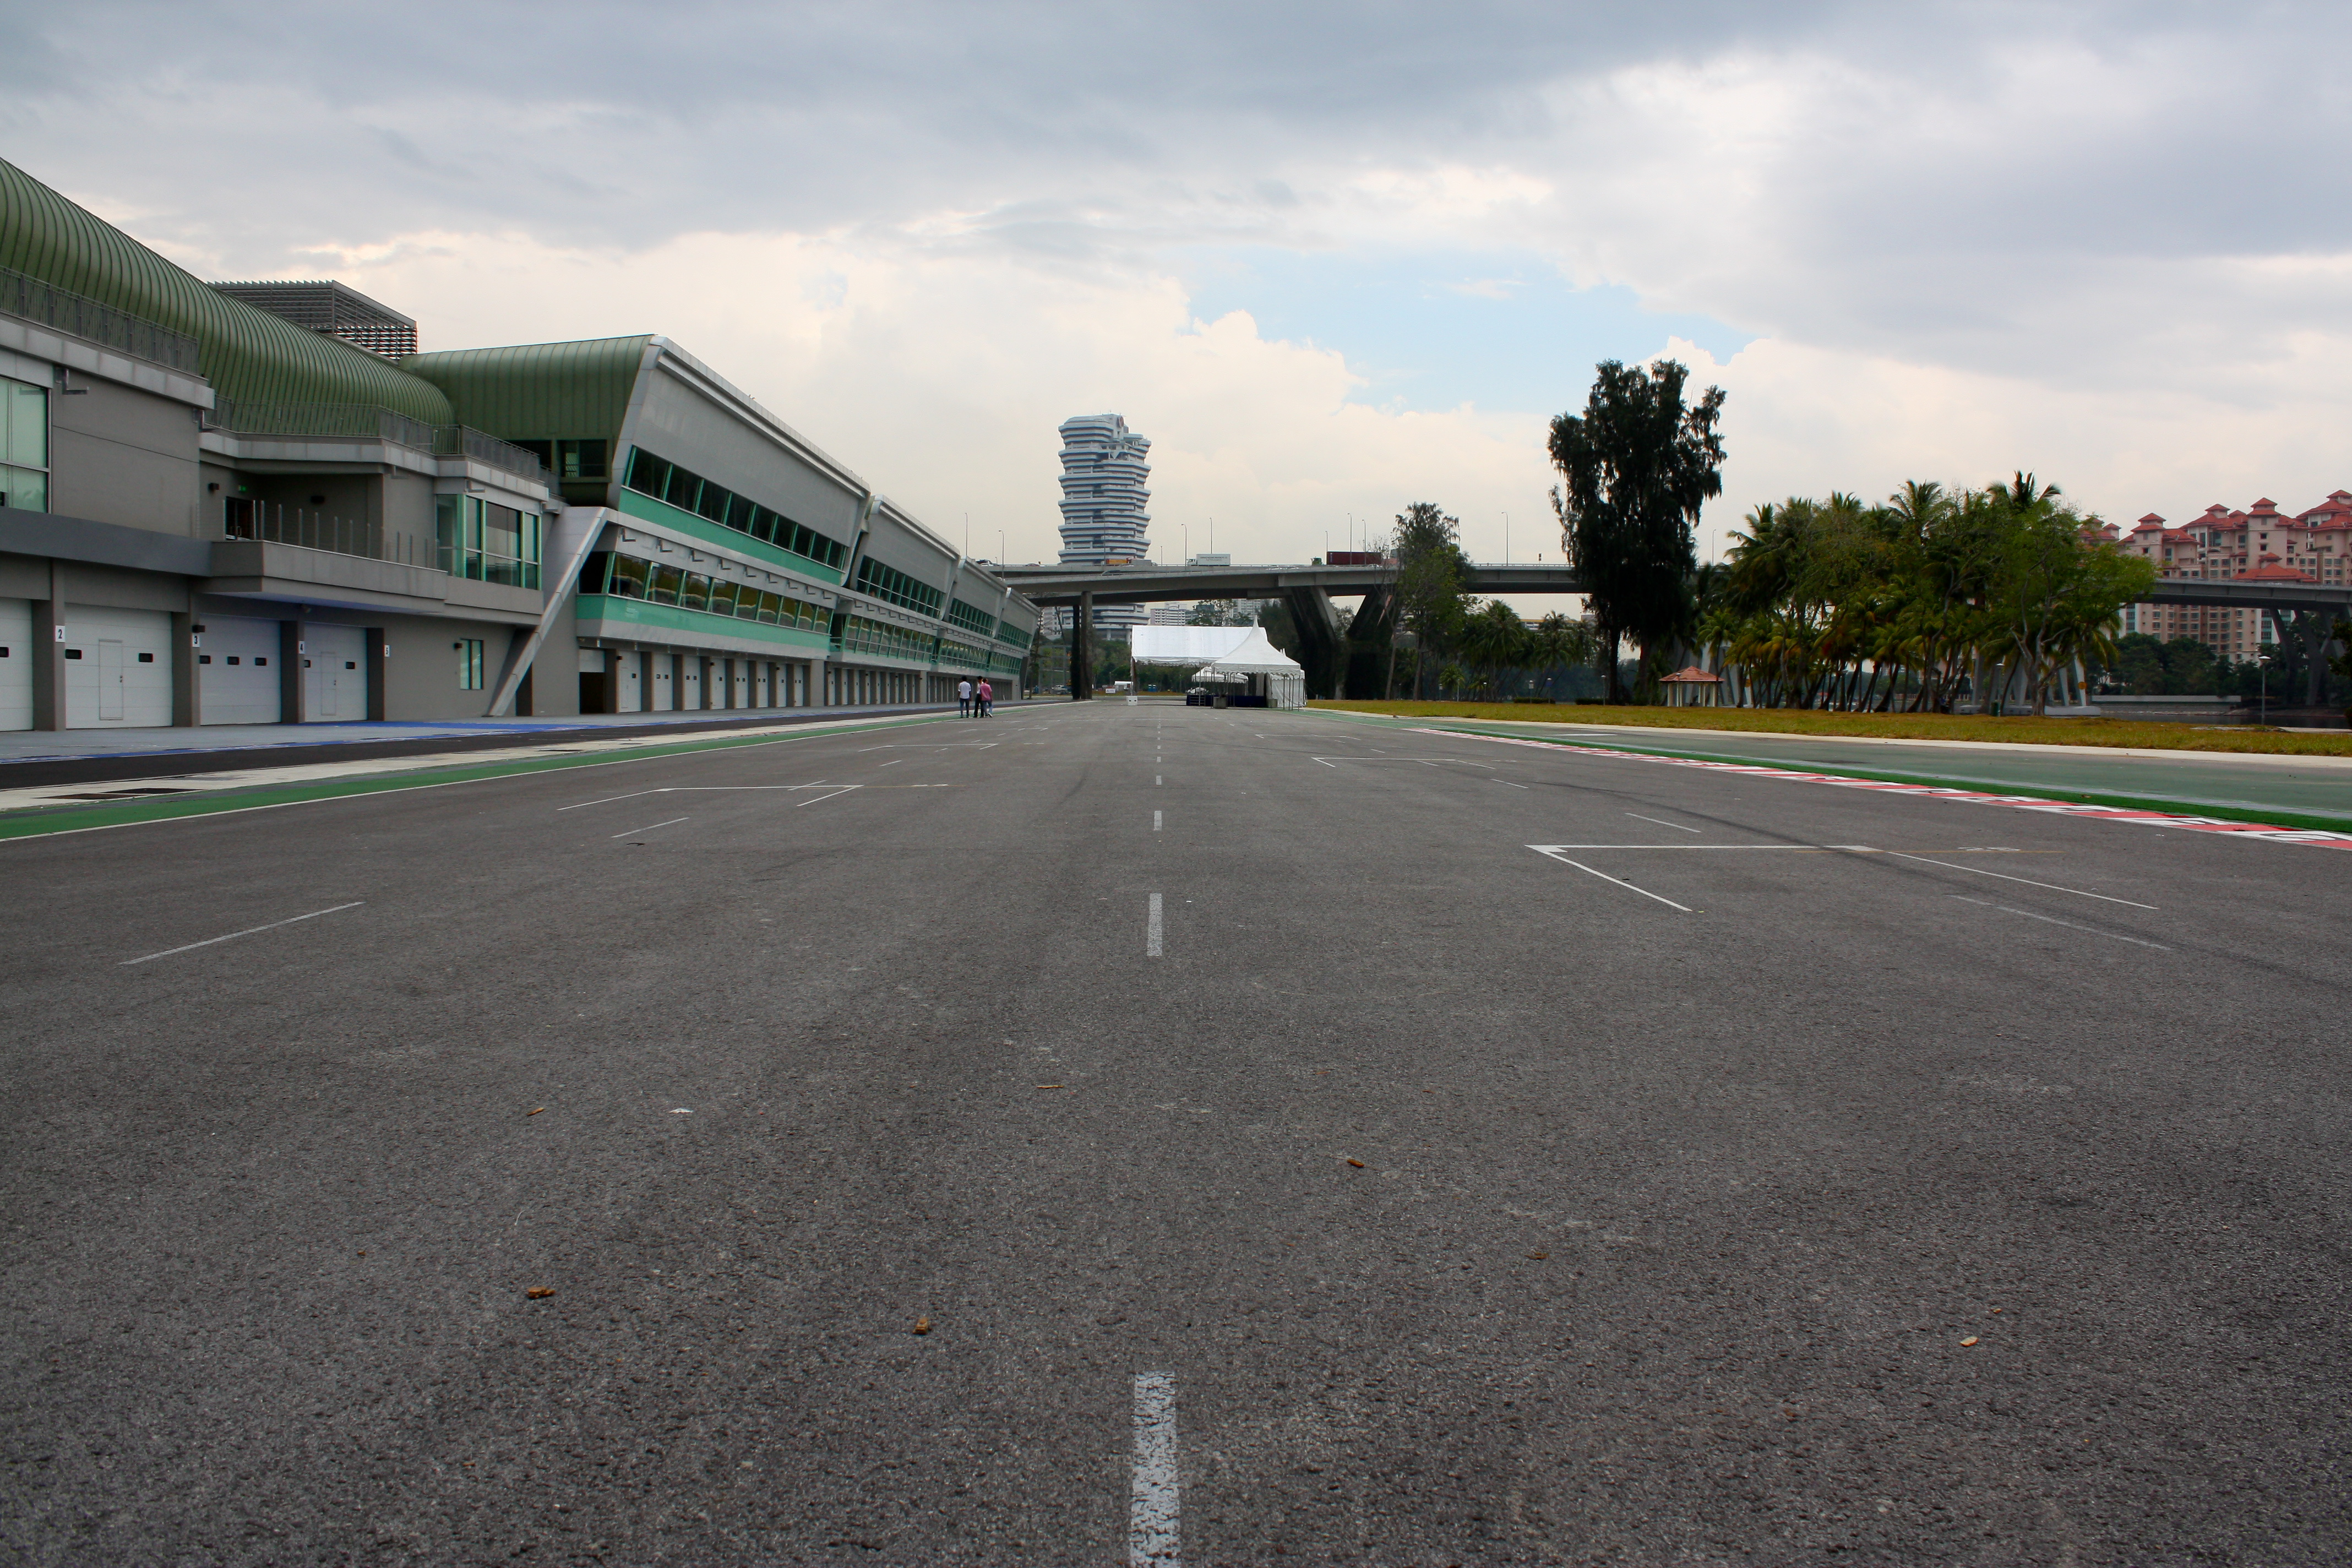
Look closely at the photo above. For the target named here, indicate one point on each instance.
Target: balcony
(311, 424)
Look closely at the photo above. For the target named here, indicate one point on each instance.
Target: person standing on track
(963, 698)
(984, 697)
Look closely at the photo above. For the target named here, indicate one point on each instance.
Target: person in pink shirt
(984, 696)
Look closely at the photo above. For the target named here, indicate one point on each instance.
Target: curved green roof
(539, 392)
(248, 355)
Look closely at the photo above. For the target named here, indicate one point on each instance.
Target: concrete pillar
(49, 654)
(187, 691)
(293, 691)
(1082, 650)
(2317, 625)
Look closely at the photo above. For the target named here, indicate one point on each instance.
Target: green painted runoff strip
(2260, 814)
(47, 821)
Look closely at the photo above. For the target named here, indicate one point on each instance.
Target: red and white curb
(2271, 832)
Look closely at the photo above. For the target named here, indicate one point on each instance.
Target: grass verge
(42, 821)
(2132, 733)
(2262, 817)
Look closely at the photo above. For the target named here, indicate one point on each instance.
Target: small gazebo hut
(1691, 687)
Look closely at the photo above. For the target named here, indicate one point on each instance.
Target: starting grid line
(2271, 832)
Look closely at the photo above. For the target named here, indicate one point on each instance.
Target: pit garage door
(334, 674)
(236, 669)
(16, 664)
(118, 668)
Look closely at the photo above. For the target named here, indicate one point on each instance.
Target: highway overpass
(1337, 650)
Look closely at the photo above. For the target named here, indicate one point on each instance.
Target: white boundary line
(2026, 880)
(1153, 931)
(2052, 920)
(1662, 822)
(2267, 831)
(814, 732)
(232, 936)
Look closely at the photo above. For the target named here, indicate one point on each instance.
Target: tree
(1429, 596)
(1634, 468)
(1495, 639)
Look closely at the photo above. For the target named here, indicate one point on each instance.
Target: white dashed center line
(1152, 930)
(1152, 1540)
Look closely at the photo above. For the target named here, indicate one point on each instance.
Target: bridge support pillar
(1082, 650)
(2317, 628)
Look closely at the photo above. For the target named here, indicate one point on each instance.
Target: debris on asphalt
(1049, 1086)
(923, 1325)
(535, 1112)
(1539, 1257)
(1358, 1163)
(1967, 1342)
(538, 1292)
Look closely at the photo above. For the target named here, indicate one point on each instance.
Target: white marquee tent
(1239, 654)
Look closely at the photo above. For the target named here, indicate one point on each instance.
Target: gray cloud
(1970, 183)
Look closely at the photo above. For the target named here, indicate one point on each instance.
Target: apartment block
(2259, 543)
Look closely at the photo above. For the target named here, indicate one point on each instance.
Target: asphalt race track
(1106, 1127)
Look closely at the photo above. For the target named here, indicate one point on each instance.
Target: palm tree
(1559, 643)
(1495, 639)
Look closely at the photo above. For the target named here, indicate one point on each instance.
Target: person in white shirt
(963, 698)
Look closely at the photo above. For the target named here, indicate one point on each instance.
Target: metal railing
(50, 305)
(361, 421)
(367, 421)
(460, 440)
(279, 525)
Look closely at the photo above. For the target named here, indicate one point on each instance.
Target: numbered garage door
(16, 664)
(237, 667)
(334, 674)
(118, 668)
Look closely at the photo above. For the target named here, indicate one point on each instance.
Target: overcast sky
(1332, 259)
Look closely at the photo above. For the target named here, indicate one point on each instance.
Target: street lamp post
(2263, 664)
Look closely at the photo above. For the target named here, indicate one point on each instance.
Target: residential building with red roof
(2260, 543)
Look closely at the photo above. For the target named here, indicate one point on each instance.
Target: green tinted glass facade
(690, 493)
(890, 583)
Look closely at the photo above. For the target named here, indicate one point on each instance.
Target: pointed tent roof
(1256, 655)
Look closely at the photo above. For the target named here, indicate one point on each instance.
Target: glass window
(720, 600)
(502, 535)
(713, 502)
(649, 475)
(663, 588)
(579, 459)
(449, 533)
(26, 416)
(469, 664)
(595, 571)
(629, 573)
(763, 524)
(739, 514)
(693, 591)
(770, 609)
(683, 489)
(27, 490)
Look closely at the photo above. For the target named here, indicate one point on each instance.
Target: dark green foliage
(1430, 604)
(1635, 467)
